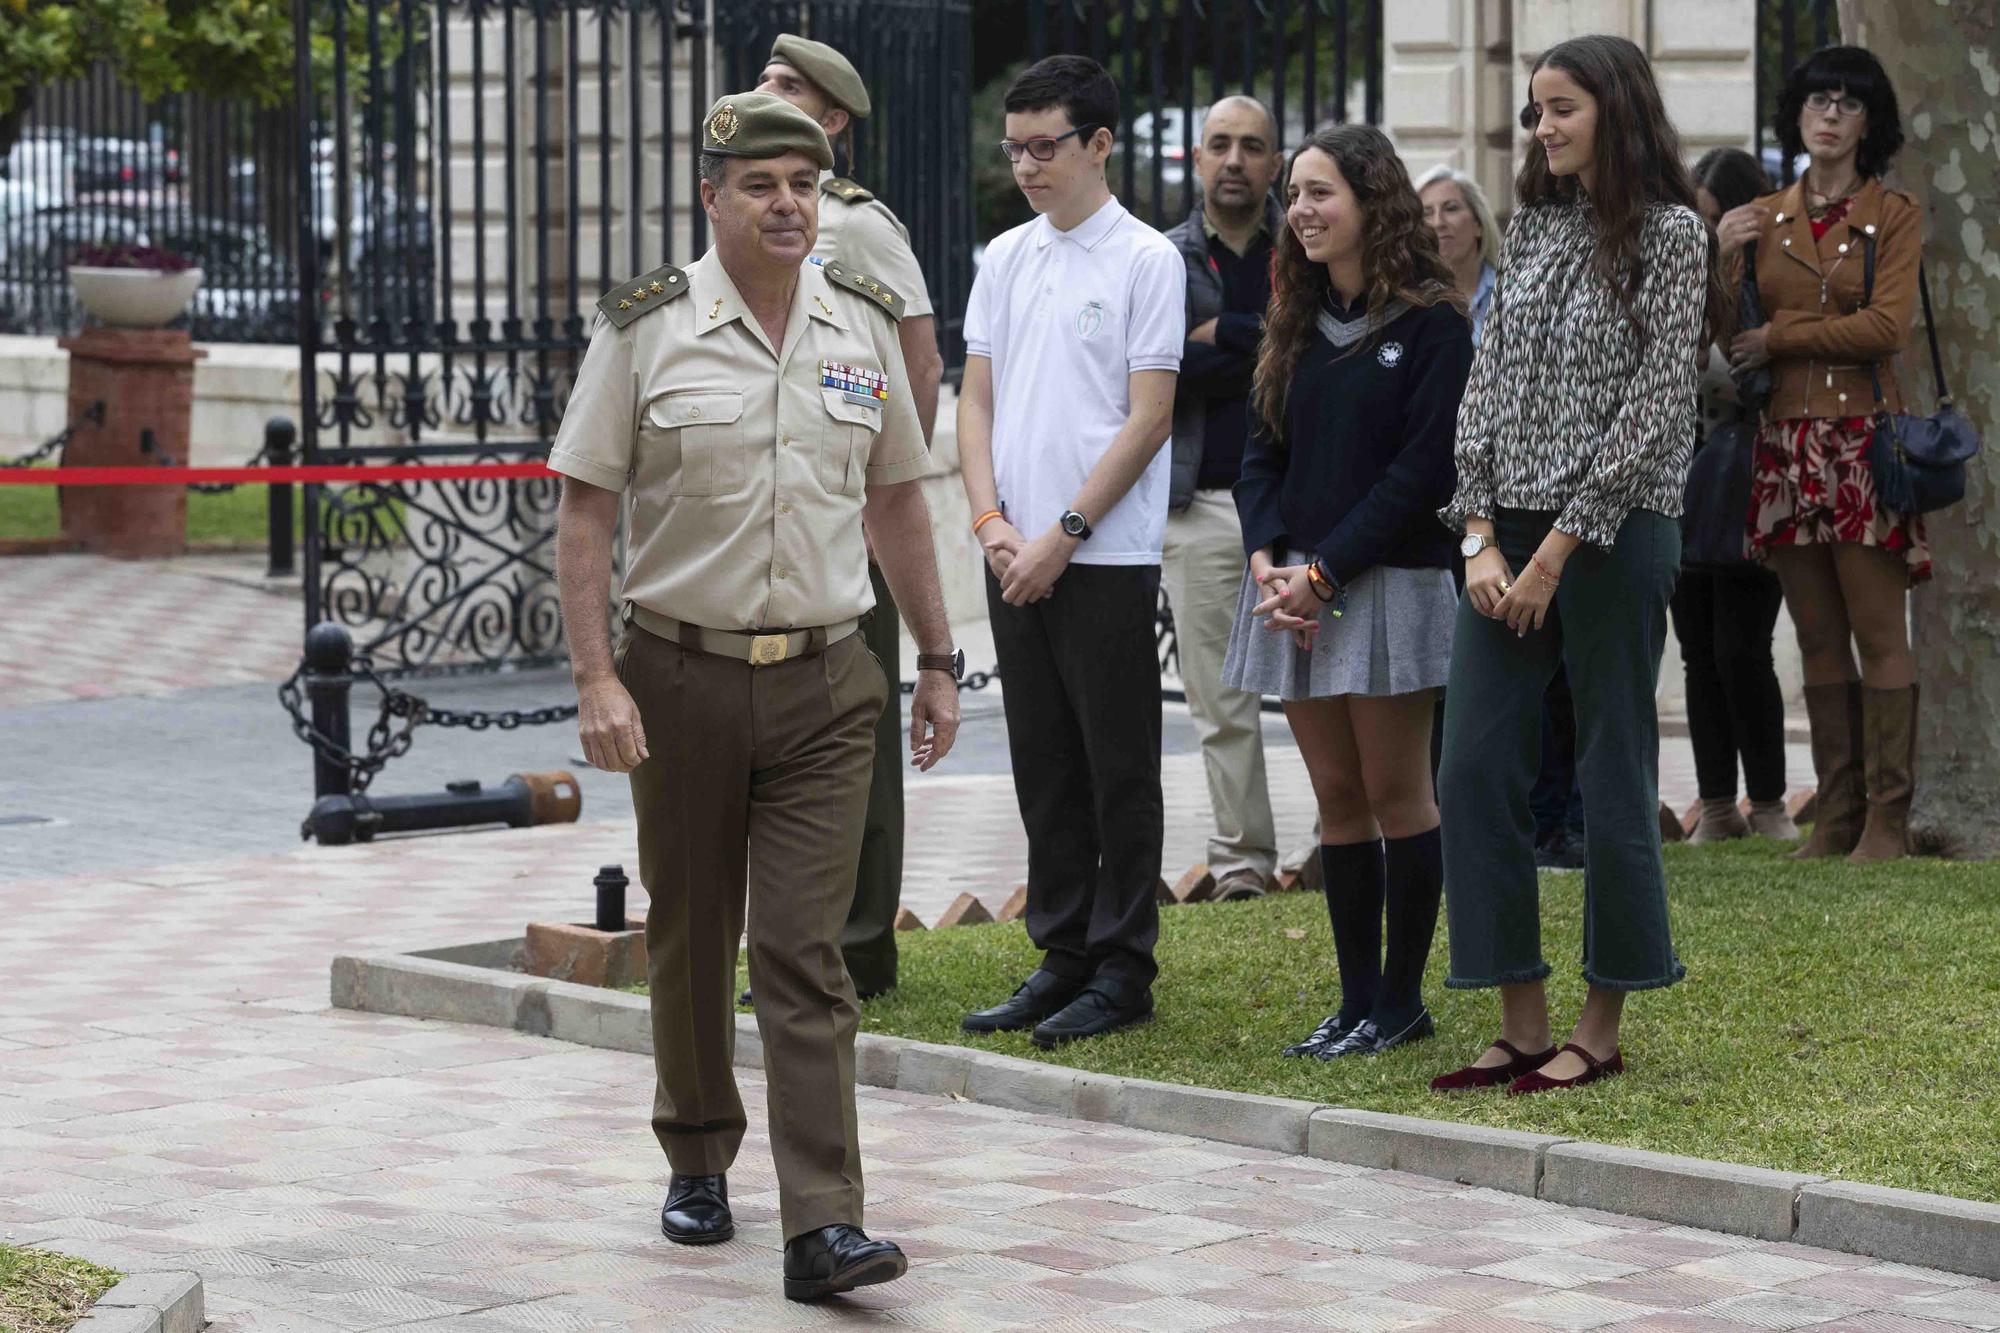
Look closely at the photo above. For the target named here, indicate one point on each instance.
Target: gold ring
(1505, 586)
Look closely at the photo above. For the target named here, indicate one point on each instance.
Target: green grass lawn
(237, 518)
(1836, 1019)
(44, 1292)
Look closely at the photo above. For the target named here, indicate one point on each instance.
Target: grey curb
(1899, 1225)
(167, 1302)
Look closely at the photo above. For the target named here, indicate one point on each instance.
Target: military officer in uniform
(858, 230)
(747, 412)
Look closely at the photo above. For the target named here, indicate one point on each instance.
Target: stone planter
(134, 298)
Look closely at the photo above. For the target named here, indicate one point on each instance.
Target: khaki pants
(1202, 568)
(757, 774)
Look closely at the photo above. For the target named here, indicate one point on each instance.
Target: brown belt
(757, 649)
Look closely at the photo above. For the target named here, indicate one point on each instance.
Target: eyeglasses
(1821, 102)
(1042, 150)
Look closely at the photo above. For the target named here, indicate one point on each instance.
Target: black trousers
(1080, 681)
(1724, 620)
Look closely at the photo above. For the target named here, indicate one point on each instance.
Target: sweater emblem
(1089, 320)
(1390, 354)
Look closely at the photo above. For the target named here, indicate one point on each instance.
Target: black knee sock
(1415, 872)
(1354, 887)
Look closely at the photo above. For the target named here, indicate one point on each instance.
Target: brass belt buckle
(769, 649)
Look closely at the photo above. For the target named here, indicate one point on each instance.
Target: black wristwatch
(1075, 524)
(953, 661)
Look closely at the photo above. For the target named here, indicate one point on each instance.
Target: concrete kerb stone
(1898, 1225)
(166, 1302)
(1504, 1159)
(1902, 1226)
(1721, 1196)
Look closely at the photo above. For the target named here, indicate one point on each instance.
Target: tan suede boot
(1889, 749)
(1720, 822)
(1835, 713)
(1768, 819)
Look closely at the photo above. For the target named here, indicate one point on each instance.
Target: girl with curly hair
(1347, 608)
(1845, 559)
(1573, 448)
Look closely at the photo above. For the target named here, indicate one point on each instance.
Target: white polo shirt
(1065, 317)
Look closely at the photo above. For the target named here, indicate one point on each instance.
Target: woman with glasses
(1846, 562)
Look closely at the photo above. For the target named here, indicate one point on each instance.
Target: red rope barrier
(270, 476)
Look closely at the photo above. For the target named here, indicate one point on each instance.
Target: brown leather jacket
(1821, 339)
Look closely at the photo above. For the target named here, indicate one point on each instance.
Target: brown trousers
(757, 773)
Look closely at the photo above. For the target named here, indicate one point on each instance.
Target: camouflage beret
(832, 71)
(761, 125)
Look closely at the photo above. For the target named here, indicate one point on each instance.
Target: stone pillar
(145, 379)
(1448, 94)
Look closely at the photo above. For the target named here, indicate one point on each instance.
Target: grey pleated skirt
(1393, 638)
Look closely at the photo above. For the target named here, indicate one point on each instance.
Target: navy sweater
(1366, 459)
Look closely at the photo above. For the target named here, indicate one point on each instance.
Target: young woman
(1346, 612)
(1724, 611)
(1845, 560)
(1573, 447)
(1468, 238)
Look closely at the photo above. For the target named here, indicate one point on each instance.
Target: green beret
(832, 71)
(763, 125)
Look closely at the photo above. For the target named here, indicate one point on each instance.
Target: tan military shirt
(744, 472)
(868, 236)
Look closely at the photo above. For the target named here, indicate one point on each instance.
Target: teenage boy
(1073, 343)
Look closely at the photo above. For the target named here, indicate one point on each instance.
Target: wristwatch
(953, 661)
(1075, 524)
(1473, 545)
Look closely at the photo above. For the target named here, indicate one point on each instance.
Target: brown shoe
(1835, 714)
(1889, 751)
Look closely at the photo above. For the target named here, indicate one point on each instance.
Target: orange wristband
(984, 519)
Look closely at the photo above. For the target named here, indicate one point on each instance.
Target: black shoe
(1559, 851)
(697, 1211)
(1042, 994)
(1367, 1038)
(1104, 1006)
(1330, 1030)
(744, 1001)
(836, 1259)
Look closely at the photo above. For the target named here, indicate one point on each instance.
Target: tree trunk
(1946, 70)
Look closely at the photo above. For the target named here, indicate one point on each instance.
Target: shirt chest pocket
(847, 440)
(693, 441)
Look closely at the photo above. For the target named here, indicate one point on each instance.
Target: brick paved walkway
(175, 1091)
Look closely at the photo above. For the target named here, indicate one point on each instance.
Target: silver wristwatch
(1473, 545)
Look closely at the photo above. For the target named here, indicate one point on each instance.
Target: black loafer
(1104, 1006)
(1368, 1038)
(1330, 1030)
(697, 1211)
(836, 1259)
(1042, 994)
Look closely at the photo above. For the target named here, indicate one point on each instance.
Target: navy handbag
(1918, 463)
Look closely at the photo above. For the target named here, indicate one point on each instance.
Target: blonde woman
(1468, 237)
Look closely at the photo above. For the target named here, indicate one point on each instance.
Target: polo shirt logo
(1390, 354)
(1090, 320)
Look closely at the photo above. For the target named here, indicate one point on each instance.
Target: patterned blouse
(1563, 411)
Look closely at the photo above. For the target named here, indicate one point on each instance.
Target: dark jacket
(1367, 456)
(1207, 369)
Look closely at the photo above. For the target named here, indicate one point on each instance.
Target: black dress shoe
(1368, 1038)
(697, 1211)
(1331, 1029)
(1104, 1006)
(1042, 994)
(836, 1259)
(744, 1001)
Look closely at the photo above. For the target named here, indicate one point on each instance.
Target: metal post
(279, 437)
(611, 884)
(329, 654)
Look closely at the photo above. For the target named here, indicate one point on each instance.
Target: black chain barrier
(94, 414)
(395, 727)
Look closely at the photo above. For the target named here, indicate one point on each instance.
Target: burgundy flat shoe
(1593, 1070)
(1472, 1077)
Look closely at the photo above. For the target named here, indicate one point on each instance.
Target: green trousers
(1607, 626)
(868, 941)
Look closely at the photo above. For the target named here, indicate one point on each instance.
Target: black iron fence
(1787, 32)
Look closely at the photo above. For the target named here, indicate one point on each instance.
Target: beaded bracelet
(1543, 570)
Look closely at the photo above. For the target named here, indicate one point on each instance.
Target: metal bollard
(522, 801)
(611, 884)
(329, 654)
(279, 437)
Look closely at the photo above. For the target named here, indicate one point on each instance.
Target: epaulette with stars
(847, 191)
(626, 302)
(879, 295)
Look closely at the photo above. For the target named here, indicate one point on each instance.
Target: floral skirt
(1811, 483)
